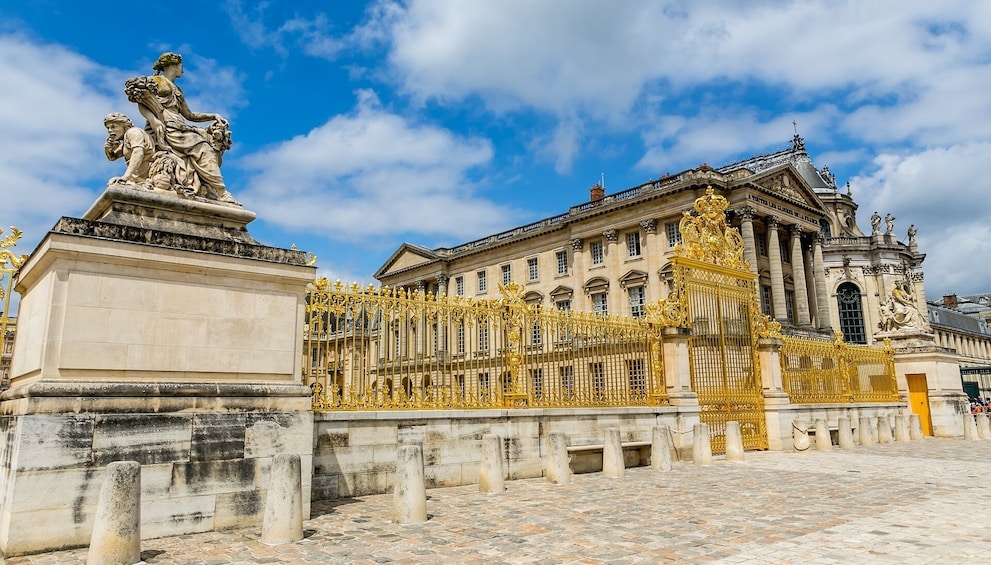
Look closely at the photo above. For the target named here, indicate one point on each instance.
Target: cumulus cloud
(944, 192)
(373, 173)
(51, 108)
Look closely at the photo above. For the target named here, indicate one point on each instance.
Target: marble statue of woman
(194, 154)
(875, 223)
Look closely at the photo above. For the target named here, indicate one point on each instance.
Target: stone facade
(612, 252)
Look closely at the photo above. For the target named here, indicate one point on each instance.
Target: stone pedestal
(154, 330)
(917, 354)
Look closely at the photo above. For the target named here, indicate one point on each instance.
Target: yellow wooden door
(918, 399)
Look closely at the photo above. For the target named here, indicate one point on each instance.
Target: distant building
(962, 323)
(8, 352)
(817, 271)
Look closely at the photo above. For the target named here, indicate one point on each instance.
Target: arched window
(851, 313)
(824, 227)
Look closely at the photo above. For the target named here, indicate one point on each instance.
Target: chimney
(950, 301)
(596, 192)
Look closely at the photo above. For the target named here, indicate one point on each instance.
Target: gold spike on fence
(837, 372)
(393, 349)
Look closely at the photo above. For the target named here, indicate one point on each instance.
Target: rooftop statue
(186, 158)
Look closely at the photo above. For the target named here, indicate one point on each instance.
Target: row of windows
(596, 252)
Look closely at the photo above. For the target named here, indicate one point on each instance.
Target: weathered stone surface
(166, 516)
(734, 442)
(844, 434)
(238, 509)
(270, 434)
(558, 469)
(55, 442)
(212, 477)
(491, 476)
(217, 436)
(701, 445)
(116, 537)
(145, 438)
(661, 448)
(283, 514)
(409, 492)
(613, 460)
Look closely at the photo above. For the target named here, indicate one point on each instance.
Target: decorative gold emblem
(708, 238)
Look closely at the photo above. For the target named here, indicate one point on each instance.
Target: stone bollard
(283, 518)
(873, 428)
(701, 445)
(800, 435)
(734, 442)
(660, 449)
(866, 435)
(491, 478)
(116, 538)
(901, 430)
(969, 427)
(409, 493)
(883, 430)
(823, 441)
(558, 466)
(845, 434)
(613, 465)
(915, 427)
(984, 426)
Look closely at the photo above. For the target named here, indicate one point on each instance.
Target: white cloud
(944, 192)
(374, 174)
(51, 111)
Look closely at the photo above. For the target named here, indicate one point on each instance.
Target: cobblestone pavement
(921, 502)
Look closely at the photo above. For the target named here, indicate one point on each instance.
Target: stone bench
(588, 458)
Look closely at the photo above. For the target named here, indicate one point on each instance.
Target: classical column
(441, 320)
(614, 298)
(578, 274)
(819, 279)
(810, 285)
(798, 275)
(652, 252)
(747, 231)
(442, 280)
(778, 307)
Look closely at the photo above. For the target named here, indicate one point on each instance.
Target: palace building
(818, 272)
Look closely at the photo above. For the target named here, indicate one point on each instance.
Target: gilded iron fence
(823, 372)
(390, 349)
(9, 265)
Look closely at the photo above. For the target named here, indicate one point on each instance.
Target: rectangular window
(483, 283)
(599, 305)
(507, 274)
(483, 384)
(633, 243)
(461, 337)
(459, 286)
(567, 381)
(790, 306)
(674, 234)
(595, 249)
(636, 301)
(785, 256)
(562, 262)
(762, 245)
(765, 299)
(532, 273)
(564, 305)
(636, 376)
(536, 335)
(460, 380)
(598, 379)
(436, 334)
(537, 379)
(483, 336)
(397, 350)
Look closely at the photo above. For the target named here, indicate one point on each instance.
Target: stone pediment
(785, 183)
(408, 255)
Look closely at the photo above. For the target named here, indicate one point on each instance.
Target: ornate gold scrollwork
(707, 237)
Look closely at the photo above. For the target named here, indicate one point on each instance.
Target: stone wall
(355, 453)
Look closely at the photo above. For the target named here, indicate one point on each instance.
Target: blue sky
(358, 126)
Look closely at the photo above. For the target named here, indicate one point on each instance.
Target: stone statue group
(900, 311)
(169, 154)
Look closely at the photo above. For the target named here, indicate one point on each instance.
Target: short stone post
(915, 427)
(969, 427)
(491, 478)
(558, 467)
(613, 465)
(873, 428)
(883, 430)
(800, 435)
(823, 441)
(409, 493)
(901, 430)
(116, 538)
(660, 449)
(734, 442)
(701, 445)
(866, 435)
(283, 518)
(844, 434)
(984, 426)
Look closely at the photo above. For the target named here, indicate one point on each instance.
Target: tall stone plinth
(153, 330)
(916, 354)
